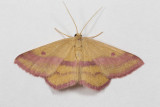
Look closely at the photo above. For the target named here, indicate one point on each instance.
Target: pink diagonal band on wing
(97, 61)
(113, 60)
(128, 71)
(39, 59)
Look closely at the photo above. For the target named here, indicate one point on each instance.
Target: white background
(131, 25)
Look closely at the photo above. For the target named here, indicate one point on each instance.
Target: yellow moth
(78, 60)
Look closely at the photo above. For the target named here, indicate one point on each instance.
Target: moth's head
(78, 36)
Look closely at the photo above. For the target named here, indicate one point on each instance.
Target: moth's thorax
(78, 41)
(78, 46)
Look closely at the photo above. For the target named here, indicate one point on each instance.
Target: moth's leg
(96, 35)
(62, 33)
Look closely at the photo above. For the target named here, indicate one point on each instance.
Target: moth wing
(66, 74)
(55, 62)
(102, 62)
(44, 61)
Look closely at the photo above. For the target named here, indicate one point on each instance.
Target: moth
(78, 60)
